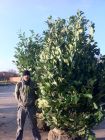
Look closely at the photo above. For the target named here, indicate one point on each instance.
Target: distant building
(14, 79)
(4, 76)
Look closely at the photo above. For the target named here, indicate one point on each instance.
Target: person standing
(25, 94)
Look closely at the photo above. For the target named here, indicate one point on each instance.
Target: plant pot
(57, 134)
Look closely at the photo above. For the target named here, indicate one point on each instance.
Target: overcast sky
(24, 15)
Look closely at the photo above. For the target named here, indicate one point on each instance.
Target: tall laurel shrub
(68, 74)
(27, 52)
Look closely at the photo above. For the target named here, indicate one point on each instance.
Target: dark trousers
(21, 117)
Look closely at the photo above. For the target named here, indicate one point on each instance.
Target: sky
(25, 15)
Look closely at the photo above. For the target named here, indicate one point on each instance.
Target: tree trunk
(57, 134)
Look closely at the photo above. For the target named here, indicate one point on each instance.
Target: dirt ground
(8, 112)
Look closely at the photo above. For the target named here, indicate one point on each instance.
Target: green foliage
(27, 53)
(68, 71)
(99, 87)
(70, 77)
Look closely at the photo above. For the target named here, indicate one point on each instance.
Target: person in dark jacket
(25, 94)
